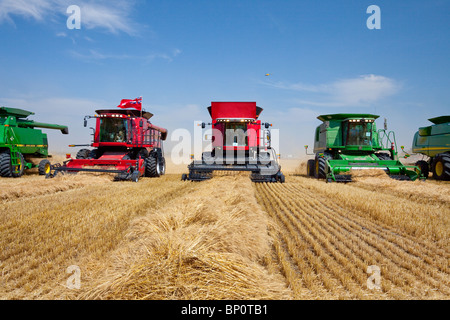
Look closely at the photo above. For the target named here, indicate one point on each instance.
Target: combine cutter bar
(394, 169)
(341, 178)
(130, 171)
(259, 172)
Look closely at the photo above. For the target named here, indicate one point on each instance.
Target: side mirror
(203, 125)
(306, 151)
(85, 122)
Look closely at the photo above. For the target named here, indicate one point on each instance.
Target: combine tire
(6, 168)
(44, 167)
(162, 166)
(135, 176)
(424, 168)
(93, 154)
(153, 167)
(150, 167)
(320, 168)
(207, 158)
(5, 164)
(441, 167)
(383, 156)
(83, 154)
(264, 158)
(143, 153)
(310, 168)
(21, 166)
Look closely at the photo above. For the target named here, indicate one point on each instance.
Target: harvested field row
(199, 247)
(225, 238)
(325, 242)
(41, 236)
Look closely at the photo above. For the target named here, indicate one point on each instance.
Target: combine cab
(125, 143)
(22, 146)
(240, 142)
(434, 143)
(346, 142)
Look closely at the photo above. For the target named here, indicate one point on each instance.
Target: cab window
(113, 130)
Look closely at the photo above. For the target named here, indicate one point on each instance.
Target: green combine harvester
(434, 143)
(21, 143)
(347, 142)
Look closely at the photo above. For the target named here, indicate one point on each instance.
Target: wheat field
(226, 238)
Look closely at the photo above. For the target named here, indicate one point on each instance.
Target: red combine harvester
(125, 142)
(240, 142)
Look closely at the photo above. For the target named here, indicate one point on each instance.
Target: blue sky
(181, 55)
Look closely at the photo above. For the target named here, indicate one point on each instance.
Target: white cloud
(112, 16)
(364, 90)
(95, 56)
(294, 86)
(36, 9)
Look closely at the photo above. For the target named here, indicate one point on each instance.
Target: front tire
(83, 154)
(5, 164)
(44, 167)
(383, 156)
(441, 167)
(310, 168)
(320, 168)
(162, 166)
(6, 168)
(153, 167)
(93, 154)
(424, 167)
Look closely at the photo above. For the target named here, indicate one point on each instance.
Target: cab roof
(128, 112)
(440, 120)
(18, 113)
(344, 116)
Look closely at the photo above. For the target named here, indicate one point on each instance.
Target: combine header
(21, 143)
(434, 143)
(346, 142)
(125, 142)
(240, 142)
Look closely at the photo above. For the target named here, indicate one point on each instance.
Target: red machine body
(236, 116)
(240, 142)
(125, 142)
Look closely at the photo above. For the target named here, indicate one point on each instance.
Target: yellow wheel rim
(47, 168)
(18, 167)
(439, 168)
